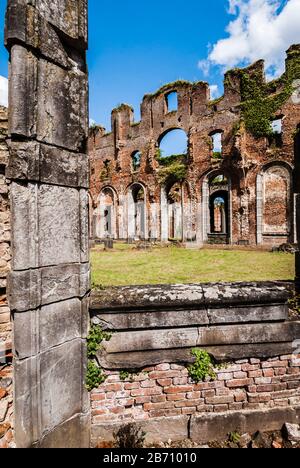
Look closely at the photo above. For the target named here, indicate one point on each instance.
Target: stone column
(48, 168)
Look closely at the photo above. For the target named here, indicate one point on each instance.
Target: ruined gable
(237, 136)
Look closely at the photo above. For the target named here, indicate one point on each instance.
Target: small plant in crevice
(95, 375)
(234, 437)
(95, 338)
(294, 304)
(203, 366)
(129, 374)
(130, 436)
(124, 375)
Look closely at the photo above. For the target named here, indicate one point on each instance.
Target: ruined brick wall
(246, 157)
(167, 391)
(154, 330)
(6, 409)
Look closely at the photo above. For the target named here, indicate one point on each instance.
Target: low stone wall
(6, 409)
(244, 326)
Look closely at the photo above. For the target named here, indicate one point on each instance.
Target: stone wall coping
(210, 294)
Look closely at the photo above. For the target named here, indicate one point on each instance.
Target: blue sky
(137, 46)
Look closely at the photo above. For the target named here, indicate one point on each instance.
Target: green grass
(127, 266)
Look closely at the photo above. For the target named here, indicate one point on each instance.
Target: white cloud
(92, 122)
(3, 91)
(261, 29)
(214, 91)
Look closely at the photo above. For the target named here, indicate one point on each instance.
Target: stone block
(50, 388)
(60, 120)
(54, 237)
(32, 161)
(74, 433)
(30, 289)
(38, 330)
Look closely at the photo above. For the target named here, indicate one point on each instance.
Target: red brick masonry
(6, 399)
(167, 390)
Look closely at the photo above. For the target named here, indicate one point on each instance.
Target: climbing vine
(261, 101)
(95, 375)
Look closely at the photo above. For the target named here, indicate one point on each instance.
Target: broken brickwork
(252, 172)
(6, 410)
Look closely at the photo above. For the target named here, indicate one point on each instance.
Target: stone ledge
(202, 429)
(170, 296)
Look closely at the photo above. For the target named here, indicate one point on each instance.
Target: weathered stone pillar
(48, 168)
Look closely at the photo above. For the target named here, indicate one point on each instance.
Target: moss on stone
(122, 107)
(173, 86)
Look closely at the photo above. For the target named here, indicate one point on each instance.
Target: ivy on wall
(95, 375)
(172, 167)
(261, 101)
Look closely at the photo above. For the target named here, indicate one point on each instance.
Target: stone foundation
(6, 408)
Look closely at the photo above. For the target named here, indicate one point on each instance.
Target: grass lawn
(127, 266)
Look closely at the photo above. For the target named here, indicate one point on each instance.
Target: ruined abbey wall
(6, 409)
(257, 166)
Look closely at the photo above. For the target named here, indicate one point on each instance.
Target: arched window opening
(172, 101)
(217, 146)
(218, 213)
(137, 212)
(174, 202)
(219, 181)
(173, 143)
(106, 219)
(136, 161)
(217, 197)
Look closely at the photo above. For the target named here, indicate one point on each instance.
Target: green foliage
(202, 367)
(174, 167)
(121, 107)
(294, 304)
(261, 101)
(175, 171)
(94, 376)
(95, 338)
(104, 175)
(217, 155)
(234, 437)
(124, 375)
(172, 87)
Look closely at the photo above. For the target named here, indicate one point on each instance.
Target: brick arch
(137, 212)
(106, 214)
